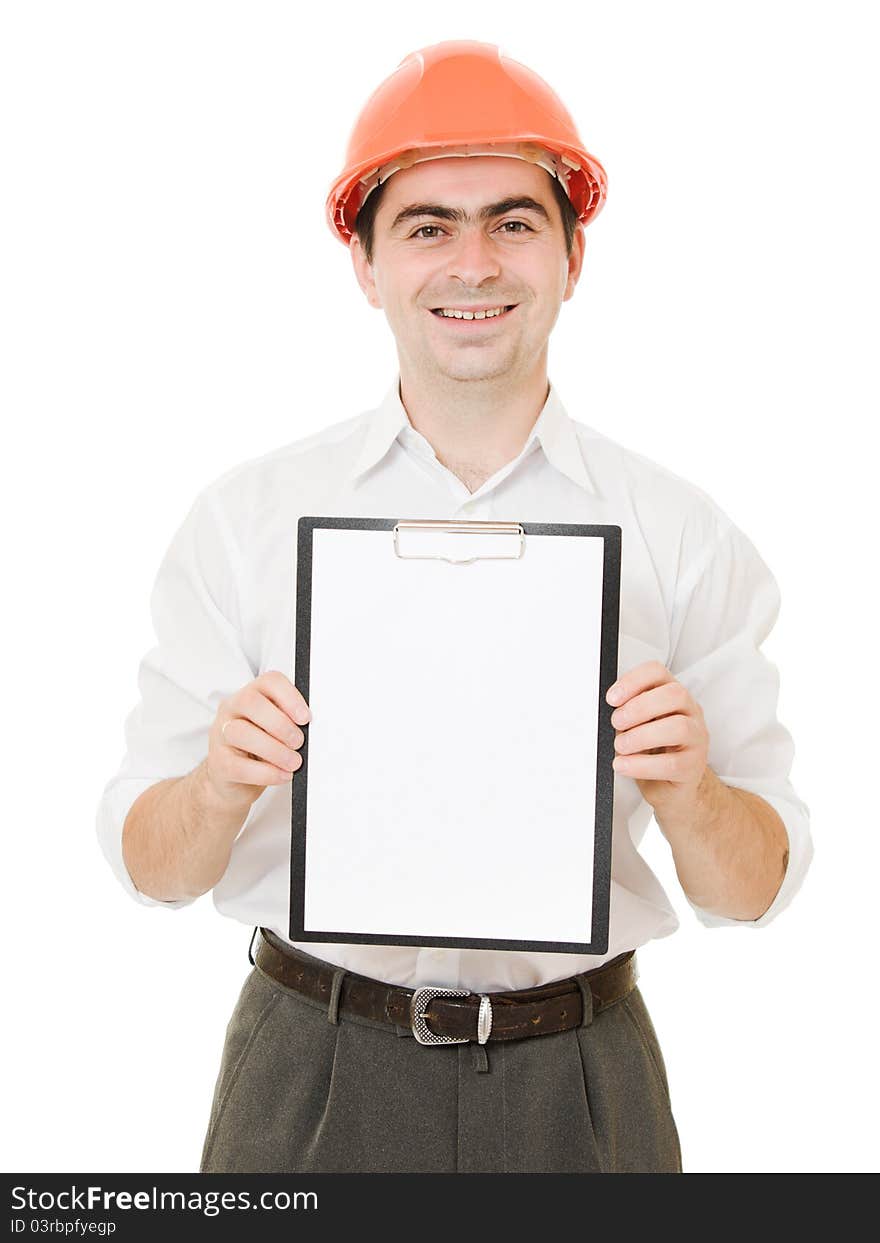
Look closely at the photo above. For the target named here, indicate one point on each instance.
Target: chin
(474, 365)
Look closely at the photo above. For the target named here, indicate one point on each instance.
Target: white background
(173, 303)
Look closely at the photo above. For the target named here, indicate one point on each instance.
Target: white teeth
(453, 314)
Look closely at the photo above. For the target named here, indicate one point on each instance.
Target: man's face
(423, 260)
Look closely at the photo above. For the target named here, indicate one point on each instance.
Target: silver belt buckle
(422, 997)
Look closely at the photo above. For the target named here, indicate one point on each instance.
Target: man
(463, 204)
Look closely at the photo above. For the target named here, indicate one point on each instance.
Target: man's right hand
(255, 739)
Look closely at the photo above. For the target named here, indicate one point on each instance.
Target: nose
(472, 258)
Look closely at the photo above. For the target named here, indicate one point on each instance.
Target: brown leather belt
(439, 1015)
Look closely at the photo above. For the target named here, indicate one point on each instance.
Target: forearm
(178, 837)
(730, 848)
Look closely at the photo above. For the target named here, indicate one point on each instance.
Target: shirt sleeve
(197, 662)
(723, 612)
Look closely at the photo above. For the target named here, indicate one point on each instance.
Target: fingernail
(615, 693)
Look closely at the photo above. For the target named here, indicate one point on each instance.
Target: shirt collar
(553, 427)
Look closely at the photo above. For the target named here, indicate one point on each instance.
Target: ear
(363, 271)
(575, 261)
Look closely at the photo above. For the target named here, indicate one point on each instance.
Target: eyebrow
(457, 215)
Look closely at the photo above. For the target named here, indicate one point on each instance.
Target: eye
(424, 226)
(520, 222)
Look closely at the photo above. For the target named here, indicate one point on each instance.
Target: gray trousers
(303, 1090)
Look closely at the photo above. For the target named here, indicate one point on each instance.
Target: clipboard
(456, 786)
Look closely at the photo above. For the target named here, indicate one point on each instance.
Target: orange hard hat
(461, 97)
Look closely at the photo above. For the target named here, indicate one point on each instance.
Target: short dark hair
(366, 218)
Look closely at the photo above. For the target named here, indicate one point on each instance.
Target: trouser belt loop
(335, 990)
(251, 946)
(587, 994)
(479, 1058)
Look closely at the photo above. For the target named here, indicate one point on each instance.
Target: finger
(245, 770)
(249, 738)
(675, 766)
(253, 705)
(281, 690)
(640, 678)
(669, 731)
(650, 704)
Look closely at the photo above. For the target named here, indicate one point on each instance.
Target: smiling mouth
(472, 322)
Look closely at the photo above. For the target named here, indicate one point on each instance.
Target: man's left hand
(661, 741)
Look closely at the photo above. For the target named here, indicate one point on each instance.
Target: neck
(474, 426)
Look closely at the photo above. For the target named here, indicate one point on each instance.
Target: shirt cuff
(800, 854)
(114, 807)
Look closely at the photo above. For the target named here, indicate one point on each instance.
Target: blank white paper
(452, 746)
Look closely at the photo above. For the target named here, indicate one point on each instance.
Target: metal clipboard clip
(437, 538)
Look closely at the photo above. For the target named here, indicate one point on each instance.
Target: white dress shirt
(695, 595)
